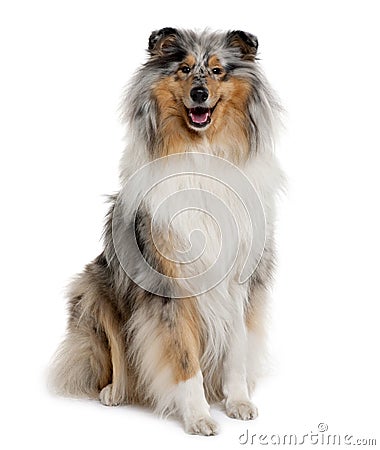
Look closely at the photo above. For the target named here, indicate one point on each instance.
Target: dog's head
(202, 85)
(199, 82)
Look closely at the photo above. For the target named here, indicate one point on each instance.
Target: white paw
(205, 426)
(243, 410)
(106, 396)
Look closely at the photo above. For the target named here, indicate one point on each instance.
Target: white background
(63, 68)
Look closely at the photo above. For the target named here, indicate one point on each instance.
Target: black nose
(199, 94)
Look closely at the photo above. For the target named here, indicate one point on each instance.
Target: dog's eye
(216, 70)
(185, 69)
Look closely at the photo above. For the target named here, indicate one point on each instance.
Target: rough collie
(171, 314)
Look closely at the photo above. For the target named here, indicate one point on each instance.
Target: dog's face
(201, 84)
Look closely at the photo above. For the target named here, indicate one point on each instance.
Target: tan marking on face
(214, 62)
(189, 61)
(228, 97)
(174, 135)
(230, 124)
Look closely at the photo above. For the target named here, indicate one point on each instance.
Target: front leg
(235, 388)
(165, 341)
(192, 406)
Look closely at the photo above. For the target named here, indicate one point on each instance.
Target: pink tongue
(199, 118)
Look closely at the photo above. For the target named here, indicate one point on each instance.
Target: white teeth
(199, 115)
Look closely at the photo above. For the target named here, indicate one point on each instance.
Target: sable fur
(125, 344)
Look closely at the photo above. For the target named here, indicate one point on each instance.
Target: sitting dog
(157, 318)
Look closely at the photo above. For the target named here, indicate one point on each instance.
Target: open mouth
(200, 117)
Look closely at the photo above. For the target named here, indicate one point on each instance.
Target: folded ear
(162, 40)
(246, 42)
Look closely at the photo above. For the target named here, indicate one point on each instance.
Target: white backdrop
(63, 68)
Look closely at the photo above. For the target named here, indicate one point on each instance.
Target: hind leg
(114, 393)
(82, 363)
(92, 354)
